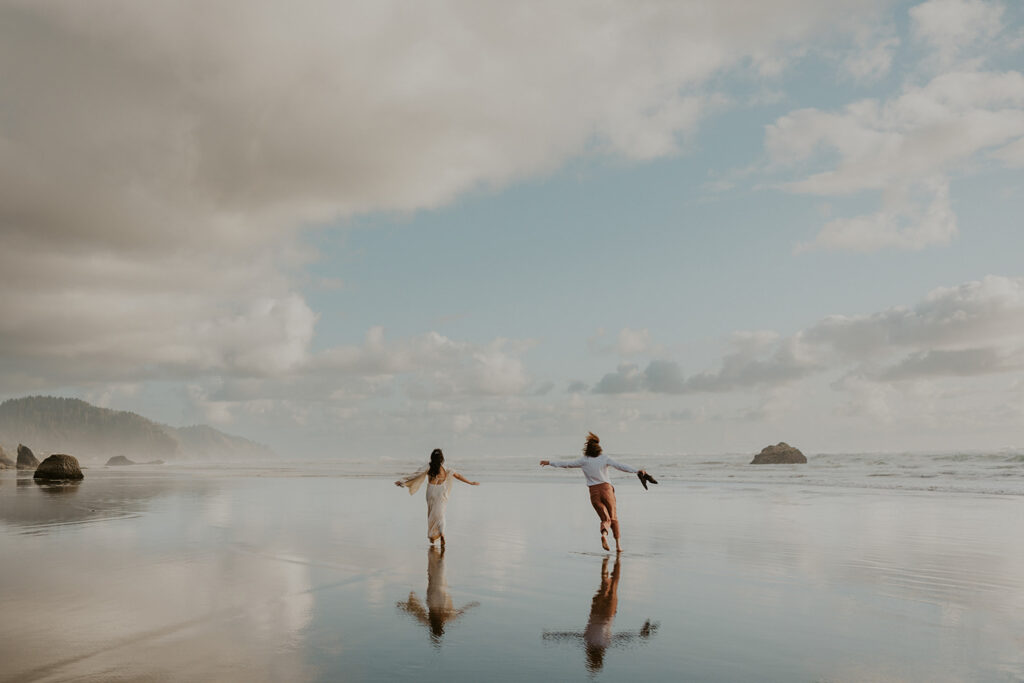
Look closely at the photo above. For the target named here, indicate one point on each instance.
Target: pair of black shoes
(644, 478)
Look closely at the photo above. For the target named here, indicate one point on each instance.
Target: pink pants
(602, 497)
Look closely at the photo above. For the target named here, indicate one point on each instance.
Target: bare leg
(602, 498)
(442, 541)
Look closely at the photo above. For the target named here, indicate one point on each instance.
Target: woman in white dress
(439, 487)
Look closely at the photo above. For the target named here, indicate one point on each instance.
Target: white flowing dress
(437, 500)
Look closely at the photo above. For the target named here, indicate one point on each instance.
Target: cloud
(159, 162)
(626, 379)
(753, 365)
(951, 27)
(970, 330)
(961, 362)
(925, 130)
(664, 377)
(660, 377)
(870, 57)
(739, 370)
(873, 61)
(1012, 154)
(907, 147)
(979, 313)
(628, 342)
(433, 364)
(633, 342)
(867, 398)
(910, 220)
(577, 387)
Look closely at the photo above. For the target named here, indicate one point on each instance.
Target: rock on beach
(27, 460)
(59, 466)
(780, 454)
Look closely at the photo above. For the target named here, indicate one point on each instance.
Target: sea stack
(5, 462)
(780, 454)
(27, 460)
(59, 466)
(119, 460)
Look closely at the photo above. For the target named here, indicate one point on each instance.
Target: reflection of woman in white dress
(439, 609)
(439, 487)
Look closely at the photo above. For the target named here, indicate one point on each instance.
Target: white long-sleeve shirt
(595, 469)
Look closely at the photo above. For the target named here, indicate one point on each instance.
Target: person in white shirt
(602, 494)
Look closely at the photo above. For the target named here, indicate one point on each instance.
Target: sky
(369, 229)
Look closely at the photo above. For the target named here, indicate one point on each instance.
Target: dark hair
(592, 448)
(436, 458)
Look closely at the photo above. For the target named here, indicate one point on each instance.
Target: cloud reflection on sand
(42, 507)
(137, 603)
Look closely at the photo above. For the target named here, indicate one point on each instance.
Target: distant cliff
(202, 441)
(69, 425)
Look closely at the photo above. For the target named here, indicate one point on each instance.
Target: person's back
(595, 464)
(595, 467)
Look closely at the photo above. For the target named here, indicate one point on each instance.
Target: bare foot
(618, 548)
(442, 541)
(604, 542)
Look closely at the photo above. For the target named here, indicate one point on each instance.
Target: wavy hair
(592, 448)
(436, 458)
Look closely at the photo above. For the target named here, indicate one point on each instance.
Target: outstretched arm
(462, 478)
(567, 463)
(645, 632)
(414, 607)
(413, 481)
(623, 468)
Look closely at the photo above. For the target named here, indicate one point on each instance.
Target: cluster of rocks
(779, 454)
(56, 467)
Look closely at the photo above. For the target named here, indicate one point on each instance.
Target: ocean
(853, 567)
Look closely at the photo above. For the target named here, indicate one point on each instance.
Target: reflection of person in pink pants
(602, 495)
(597, 637)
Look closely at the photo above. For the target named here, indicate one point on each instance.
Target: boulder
(119, 460)
(5, 462)
(27, 460)
(59, 466)
(780, 454)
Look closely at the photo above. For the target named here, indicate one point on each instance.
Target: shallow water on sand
(264, 574)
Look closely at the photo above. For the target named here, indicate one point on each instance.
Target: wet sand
(174, 575)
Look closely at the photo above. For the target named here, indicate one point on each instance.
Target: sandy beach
(269, 574)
